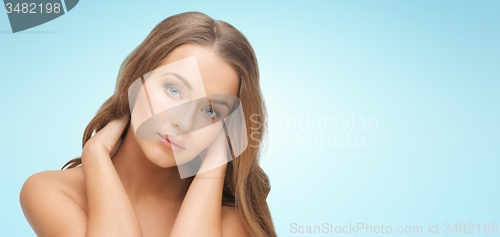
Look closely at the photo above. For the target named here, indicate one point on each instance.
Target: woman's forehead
(217, 76)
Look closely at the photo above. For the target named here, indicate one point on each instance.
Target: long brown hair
(246, 186)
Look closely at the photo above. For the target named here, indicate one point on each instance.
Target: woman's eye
(210, 112)
(173, 91)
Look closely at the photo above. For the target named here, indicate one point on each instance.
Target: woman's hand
(106, 142)
(110, 212)
(216, 154)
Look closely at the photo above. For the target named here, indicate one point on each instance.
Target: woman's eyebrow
(221, 102)
(181, 78)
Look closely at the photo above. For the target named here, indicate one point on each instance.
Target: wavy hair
(246, 186)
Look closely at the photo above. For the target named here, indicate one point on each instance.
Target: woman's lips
(172, 144)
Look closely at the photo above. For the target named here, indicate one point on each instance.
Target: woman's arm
(201, 211)
(110, 212)
(52, 212)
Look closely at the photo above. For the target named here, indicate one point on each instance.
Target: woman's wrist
(218, 172)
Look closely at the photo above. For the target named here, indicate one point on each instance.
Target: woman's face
(173, 103)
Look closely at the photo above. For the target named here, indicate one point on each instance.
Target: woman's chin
(165, 158)
(163, 162)
(168, 161)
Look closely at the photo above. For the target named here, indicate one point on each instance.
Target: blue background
(427, 71)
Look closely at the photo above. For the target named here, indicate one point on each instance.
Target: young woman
(126, 186)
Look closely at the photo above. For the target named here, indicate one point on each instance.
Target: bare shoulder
(232, 222)
(48, 197)
(70, 181)
(50, 180)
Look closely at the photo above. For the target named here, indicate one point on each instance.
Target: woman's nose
(182, 118)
